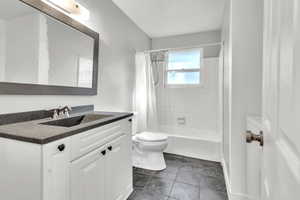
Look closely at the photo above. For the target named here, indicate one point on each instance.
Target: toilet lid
(151, 137)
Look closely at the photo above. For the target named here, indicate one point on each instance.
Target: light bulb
(82, 14)
(68, 6)
(75, 10)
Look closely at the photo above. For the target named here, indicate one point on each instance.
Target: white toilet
(148, 150)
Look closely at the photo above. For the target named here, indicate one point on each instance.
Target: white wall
(227, 52)
(2, 49)
(186, 40)
(243, 82)
(191, 40)
(120, 39)
(43, 59)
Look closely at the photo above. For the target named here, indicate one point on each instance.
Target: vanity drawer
(88, 141)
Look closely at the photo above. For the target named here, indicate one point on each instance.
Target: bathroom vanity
(83, 157)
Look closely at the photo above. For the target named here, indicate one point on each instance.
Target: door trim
(232, 195)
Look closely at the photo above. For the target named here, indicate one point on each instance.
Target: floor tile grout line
(174, 181)
(196, 186)
(180, 163)
(171, 190)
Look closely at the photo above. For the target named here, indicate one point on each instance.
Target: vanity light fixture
(70, 7)
(82, 14)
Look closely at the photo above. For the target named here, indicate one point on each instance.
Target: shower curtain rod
(188, 47)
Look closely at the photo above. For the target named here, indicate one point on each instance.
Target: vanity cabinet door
(88, 176)
(56, 179)
(118, 168)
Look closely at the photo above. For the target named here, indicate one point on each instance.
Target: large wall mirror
(45, 52)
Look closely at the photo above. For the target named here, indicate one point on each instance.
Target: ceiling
(159, 18)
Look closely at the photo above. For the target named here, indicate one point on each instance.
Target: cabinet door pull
(103, 152)
(61, 147)
(110, 148)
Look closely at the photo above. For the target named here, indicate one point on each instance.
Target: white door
(88, 177)
(281, 101)
(56, 170)
(118, 168)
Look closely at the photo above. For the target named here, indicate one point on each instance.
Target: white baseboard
(227, 181)
(232, 195)
(127, 193)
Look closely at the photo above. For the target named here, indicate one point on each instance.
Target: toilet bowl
(148, 150)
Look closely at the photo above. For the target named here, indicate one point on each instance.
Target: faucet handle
(69, 108)
(66, 112)
(55, 114)
(61, 111)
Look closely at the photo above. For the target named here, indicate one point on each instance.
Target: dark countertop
(35, 132)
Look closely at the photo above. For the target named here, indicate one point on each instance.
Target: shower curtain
(145, 94)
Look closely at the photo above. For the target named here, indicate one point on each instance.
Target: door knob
(250, 137)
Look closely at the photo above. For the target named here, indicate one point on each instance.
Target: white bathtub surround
(190, 115)
(197, 105)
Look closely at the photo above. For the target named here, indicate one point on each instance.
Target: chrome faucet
(68, 109)
(61, 112)
(55, 114)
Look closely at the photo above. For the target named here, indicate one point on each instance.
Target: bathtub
(193, 143)
(190, 142)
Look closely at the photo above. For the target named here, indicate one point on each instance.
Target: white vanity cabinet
(92, 165)
(118, 168)
(104, 174)
(56, 170)
(88, 177)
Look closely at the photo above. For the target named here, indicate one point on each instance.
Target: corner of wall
(151, 43)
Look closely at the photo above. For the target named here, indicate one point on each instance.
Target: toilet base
(149, 160)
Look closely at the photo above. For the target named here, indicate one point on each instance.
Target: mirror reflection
(37, 49)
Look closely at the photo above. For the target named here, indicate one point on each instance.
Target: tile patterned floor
(184, 179)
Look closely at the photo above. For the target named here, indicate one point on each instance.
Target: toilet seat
(151, 137)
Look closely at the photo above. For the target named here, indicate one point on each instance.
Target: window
(85, 72)
(184, 68)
